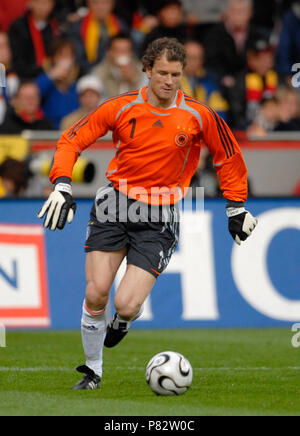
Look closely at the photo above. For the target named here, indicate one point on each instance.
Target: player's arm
(232, 172)
(60, 206)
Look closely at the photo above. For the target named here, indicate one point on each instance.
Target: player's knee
(127, 310)
(127, 313)
(97, 294)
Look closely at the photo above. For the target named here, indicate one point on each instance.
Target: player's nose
(169, 81)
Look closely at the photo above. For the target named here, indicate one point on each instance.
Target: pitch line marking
(135, 368)
(34, 369)
(239, 368)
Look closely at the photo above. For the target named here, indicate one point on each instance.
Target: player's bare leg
(133, 290)
(101, 269)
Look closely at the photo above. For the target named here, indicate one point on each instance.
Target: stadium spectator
(171, 19)
(14, 177)
(197, 83)
(58, 84)
(11, 79)
(289, 44)
(266, 118)
(10, 11)
(227, 42)
(89, 90)
(30, 38)
(26, 113)
(289, 109)
(258, 83)
(120, 71)
(281, 113)
(91, 34)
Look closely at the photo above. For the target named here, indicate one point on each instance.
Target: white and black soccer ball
(169, 373)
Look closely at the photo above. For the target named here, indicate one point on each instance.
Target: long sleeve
(227, 157)
(79, 137)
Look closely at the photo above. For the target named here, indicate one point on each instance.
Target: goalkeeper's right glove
(59, 208)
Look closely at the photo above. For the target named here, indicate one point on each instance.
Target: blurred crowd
(63, 57)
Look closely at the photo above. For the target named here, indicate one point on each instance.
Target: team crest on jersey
(181, 139)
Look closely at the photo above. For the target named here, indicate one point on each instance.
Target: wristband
(233, 211)
(64, 187)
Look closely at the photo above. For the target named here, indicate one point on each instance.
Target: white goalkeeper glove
(240, 223)
(59, 208)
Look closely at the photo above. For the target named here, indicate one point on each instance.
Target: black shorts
(150, 233)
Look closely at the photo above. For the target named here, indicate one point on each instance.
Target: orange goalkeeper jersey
(157, 150)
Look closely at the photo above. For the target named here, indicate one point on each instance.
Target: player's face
(164, 79)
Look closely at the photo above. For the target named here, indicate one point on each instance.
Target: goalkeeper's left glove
(240, 223)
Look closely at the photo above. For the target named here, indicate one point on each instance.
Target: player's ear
(149, 71)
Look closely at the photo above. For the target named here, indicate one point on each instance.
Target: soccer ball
(169, 373)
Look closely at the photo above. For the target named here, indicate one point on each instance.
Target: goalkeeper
(158, 132)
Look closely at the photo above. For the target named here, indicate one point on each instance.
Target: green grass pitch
(236, 372)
